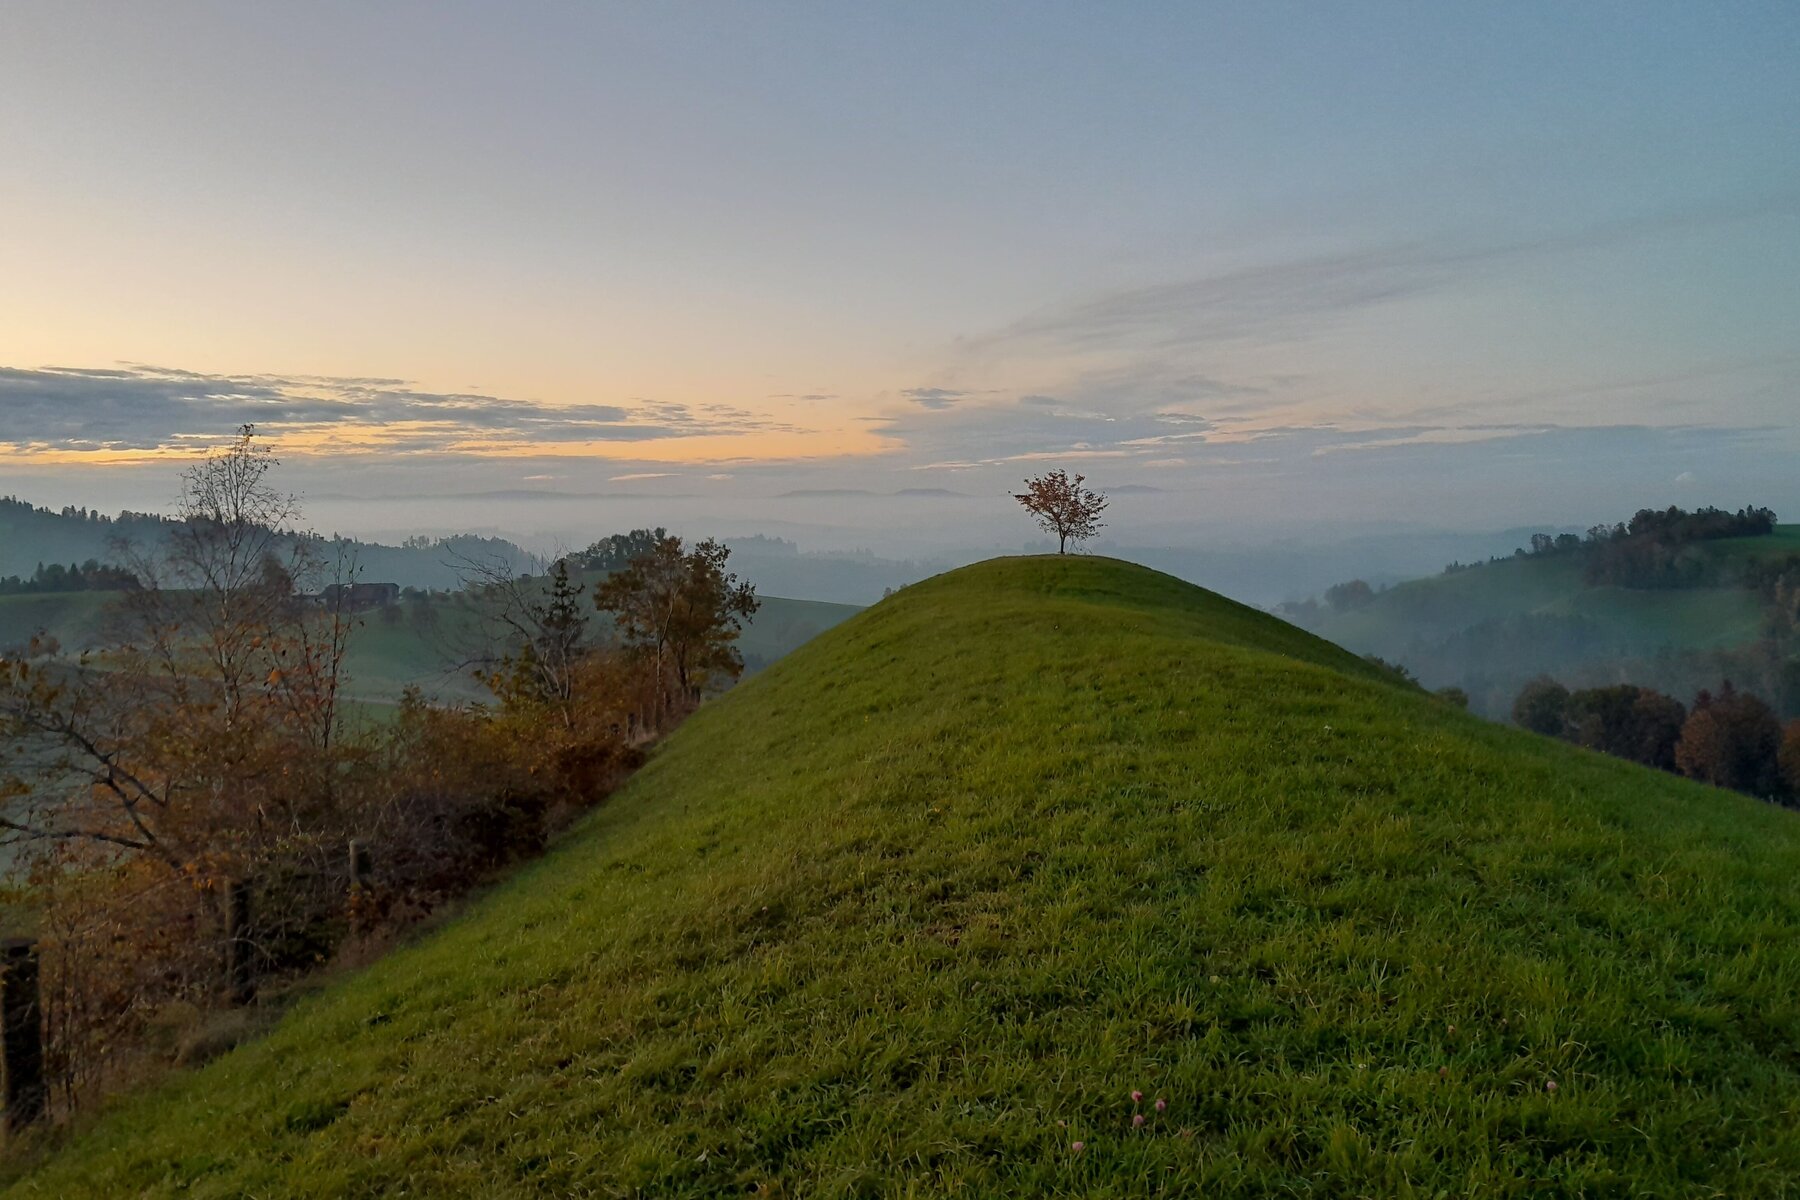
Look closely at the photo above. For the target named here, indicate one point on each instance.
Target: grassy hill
(916, 909)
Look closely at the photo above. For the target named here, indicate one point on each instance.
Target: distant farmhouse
(357, 597)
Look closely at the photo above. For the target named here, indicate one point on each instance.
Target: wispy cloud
(933, 398)
(1284, 299)
(142, 408)
(1182, 369)
(992, 434)
(1264, 301)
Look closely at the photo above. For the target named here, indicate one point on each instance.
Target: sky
(850, 272)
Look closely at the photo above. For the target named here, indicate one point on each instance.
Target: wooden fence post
(22, 1034)
(240, 983)
(359, 864)
(359, 908)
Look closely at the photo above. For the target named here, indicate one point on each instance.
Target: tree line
(30, 534)
(1649, 550)
(201, 810)
(1434, 631)
(12, 506)
(90, 576)
(1728, 738)
(1656, 548)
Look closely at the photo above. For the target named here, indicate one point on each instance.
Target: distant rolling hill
(916, 910)
(1492, 626)
(30, 535)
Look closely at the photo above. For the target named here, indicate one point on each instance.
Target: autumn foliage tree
(680, 611)
(198, 740)
(182, 802)
(565, 699)
(1627, 721)
(1732, 740)
(1789, 759)
(188, 803)
(197, 756)
(1063, 507)
(542, 631)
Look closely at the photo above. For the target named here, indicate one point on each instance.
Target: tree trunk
(22, 1031)
(240, 983)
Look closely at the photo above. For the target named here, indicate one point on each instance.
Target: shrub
(1396, 672)
(1542, 707)
(1627, 722)
(1347, 597)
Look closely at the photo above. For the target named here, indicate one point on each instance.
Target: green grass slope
(76, 619)
(917, 908)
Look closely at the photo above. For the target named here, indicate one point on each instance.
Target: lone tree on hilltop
(1063, 507)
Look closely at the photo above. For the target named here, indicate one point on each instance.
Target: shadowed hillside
(914, 911)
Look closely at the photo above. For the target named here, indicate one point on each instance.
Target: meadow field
(394, 649)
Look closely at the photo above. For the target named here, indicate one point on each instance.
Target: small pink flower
(1161, 1104)
(1137, 1122)
(1078, 1147)
(1137, 1097)
(1549, 1085)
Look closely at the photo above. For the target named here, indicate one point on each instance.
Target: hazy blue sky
(1458, 264)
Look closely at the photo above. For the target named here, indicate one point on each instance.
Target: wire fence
(122, 974)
